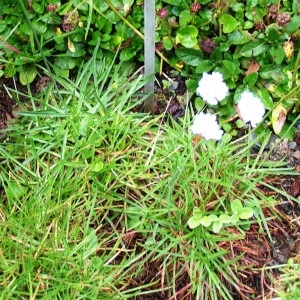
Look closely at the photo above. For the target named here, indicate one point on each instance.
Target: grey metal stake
(149, 53)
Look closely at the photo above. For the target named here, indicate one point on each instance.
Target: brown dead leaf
(296, 187)
(253, 67)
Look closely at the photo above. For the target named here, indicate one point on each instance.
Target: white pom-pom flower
(250, 108)
(206, 126)
(212, 88)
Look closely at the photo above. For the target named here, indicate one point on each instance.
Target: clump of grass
(96, 198)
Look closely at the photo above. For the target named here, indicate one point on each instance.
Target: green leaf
(205, 221)
(27, 74)
(265, 97)
(65, 62)
(277, 54)
(174, 2)
(235, 218)
(191, 85)
(168, 45)
(193, 222)
(254, 48)
(229, 23)
(97, 165)
(185, 17)
(216, 55)
(224, 218)
(246, 213)
(232, 67)
(187, 36)
(239, 123)
(199, 103)
(205, 66)
(272, 34)
(127, 54)
(197, 212)
(217, 226)
(272, 71)
(294, 24)
(213, 217)
(250, 79)
(239, 37)
(190, 57)
(236, 205)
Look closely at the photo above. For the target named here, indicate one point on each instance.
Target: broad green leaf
(187, 36)
(205, 221)
(265, 97)
(191, 85)
(65, 62)
(190, 57)
(224, 218)
(272, 34)
(254, 48)
(216, 55)
(97, 165)
(27, 74)
(185, 17)
(168, 45)
(173, 2)
(10, 70)
(271, 71)
(246, 213)
(294, 24)
(250, 79)
(278, 118)
(277, 54)
(239, 123)
(228, 22)
(197, 212)
(213, 217)
(235, 218)
(199, 103)
(239, 37)
(193, 222)
(127, 54)
(232, 67)
(236, 205)
(217, 226)
(205, 66)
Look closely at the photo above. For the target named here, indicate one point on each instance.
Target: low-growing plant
(216, 222)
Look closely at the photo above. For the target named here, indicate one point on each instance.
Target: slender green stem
(295, 72)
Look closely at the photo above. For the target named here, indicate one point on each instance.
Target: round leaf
(27, 74)
(246, 213)
(193, 222)
(229, 23)
(187, 36)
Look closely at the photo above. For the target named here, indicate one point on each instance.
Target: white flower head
(250, 108)
(206, 125)
(212, 88)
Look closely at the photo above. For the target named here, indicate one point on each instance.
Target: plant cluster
(61, 36)
(253, 44)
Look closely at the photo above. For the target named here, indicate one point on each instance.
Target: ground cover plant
(97, 200)
(101, 200)
(253, 44)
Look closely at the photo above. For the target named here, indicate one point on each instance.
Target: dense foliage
(254, 44)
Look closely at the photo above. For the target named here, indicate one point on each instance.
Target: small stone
(292, 145)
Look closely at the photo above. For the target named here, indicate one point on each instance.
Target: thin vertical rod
(149, 52)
